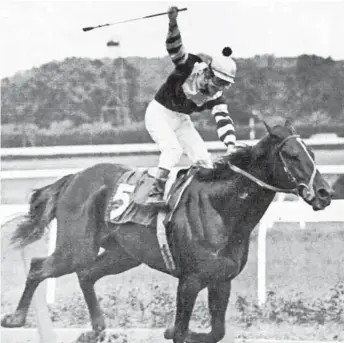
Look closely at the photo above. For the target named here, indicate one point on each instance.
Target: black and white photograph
(172, 171)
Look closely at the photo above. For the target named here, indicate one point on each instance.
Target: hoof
(98, 328)
(13, 321)
(169, 333)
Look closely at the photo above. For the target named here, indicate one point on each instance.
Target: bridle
(307, 188)
(308, 192)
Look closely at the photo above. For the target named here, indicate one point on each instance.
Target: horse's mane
(243, 157)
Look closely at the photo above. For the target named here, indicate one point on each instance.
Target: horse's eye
(294, 157)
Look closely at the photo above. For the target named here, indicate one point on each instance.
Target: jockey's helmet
(223, 66)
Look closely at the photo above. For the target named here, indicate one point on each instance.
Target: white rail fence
(56, 173)
(289, 212)
(330, 141)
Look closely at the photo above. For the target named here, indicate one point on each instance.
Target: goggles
(220, 83)
(217, 81)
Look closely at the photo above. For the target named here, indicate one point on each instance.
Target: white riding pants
(174, 133)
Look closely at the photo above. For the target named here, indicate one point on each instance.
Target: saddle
(127, 200)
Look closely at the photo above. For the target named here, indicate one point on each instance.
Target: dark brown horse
(210, 228)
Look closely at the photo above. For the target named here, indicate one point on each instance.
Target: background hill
(83, 101)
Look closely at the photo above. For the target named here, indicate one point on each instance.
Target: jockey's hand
(206, 174)
(173, 14)
(231, 149)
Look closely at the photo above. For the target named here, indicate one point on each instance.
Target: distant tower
(120, 84)
(114, 44)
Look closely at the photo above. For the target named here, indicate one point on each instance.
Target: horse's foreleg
(109, 262)
(40, 269)
(187, 292)
(218, 298)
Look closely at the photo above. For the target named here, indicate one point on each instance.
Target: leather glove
(172, 14)
(207, 174)
(231, 149)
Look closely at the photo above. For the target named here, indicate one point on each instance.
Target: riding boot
(156, 195)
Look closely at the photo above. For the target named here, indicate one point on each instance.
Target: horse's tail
(42, 211)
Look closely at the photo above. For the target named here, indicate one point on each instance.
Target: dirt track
(133, 336)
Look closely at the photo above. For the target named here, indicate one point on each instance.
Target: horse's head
(292, 165)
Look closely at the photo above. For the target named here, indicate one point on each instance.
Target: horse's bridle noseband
(308, 188)
(308, 192)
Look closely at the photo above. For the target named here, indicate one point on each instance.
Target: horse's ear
(288, 124)
(268, 128)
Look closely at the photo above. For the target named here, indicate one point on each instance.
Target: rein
(266, 185)
(260, 182)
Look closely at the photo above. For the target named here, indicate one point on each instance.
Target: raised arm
(174, 44)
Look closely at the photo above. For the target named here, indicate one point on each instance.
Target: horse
(208, 231)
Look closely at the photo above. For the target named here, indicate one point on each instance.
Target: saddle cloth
(127, 200)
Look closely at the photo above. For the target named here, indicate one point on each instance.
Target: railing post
(261, 263)
(44, 323)
(51, 282)
(251, 125)
(302, 223)
(265, 224)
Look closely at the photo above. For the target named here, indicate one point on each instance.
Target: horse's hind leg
(40, 269)
(77, 249)
(114, 261)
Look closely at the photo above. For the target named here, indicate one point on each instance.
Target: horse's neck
(241, 202)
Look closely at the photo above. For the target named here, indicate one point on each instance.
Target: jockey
(193, 86)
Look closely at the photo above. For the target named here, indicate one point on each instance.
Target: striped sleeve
(224, 124)
(174, 45)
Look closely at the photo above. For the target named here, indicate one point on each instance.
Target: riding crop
(89, 28)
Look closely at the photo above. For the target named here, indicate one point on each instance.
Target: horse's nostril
(324, 193)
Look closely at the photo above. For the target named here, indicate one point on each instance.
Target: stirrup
(157, 203)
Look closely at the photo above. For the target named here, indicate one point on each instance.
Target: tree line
(115, 92)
